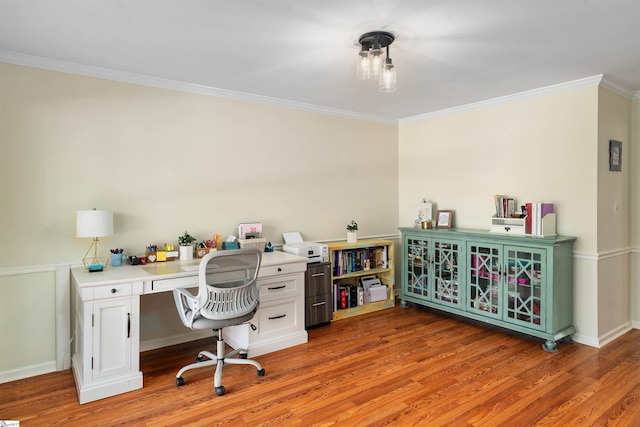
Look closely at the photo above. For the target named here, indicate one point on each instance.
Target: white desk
(106, 320)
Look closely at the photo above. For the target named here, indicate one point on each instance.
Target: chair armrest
(187, 305)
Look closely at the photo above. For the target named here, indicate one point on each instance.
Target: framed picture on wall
(444, 218)
(615, 155)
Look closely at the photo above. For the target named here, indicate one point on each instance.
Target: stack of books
(505, 206)
(535, 224)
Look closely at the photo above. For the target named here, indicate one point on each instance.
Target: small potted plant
(186, 242)
(352, 236)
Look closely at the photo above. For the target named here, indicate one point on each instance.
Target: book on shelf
(367, 289)
(534, 223)
(505, 206)
(346, 261)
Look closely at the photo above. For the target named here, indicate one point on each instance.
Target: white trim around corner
(598, 80)
(161, 83)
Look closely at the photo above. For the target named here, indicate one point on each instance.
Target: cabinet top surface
(361, 243)
(486, 234)
(165, 270)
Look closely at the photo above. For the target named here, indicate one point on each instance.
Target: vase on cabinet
(352, 237)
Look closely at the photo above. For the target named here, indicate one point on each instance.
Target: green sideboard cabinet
(521, 283)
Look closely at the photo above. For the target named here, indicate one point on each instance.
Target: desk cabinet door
(112, 332)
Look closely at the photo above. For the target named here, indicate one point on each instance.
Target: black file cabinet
(318, 307)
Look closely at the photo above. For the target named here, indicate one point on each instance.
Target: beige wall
(536, 149)
(634, 153)
(165, 162)
(614, 230)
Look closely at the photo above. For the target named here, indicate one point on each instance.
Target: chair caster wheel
(199, 359)
(179, 381)
(220, 390)
(261, 372)
(243, 355)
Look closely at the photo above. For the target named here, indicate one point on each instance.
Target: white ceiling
(448, 53)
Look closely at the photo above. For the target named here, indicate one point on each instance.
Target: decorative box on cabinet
(380, 264)
(319, 308)
(520, 283)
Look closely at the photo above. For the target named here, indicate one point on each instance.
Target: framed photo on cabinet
(444, 219)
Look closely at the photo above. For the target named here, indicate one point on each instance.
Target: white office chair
(227, 296)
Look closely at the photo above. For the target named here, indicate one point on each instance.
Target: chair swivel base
(219, 361)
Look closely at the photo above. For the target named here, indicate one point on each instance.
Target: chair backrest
(228, 283)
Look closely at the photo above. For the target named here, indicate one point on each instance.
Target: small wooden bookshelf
(350, 262)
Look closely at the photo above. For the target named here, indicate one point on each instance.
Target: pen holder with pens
(152, 256)
(116, 259)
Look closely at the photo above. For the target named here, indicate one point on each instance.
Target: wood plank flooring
(407, 367)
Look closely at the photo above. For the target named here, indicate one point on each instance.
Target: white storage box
(508, 226)
(378, 293)
(257, 243)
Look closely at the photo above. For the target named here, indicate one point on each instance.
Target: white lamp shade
(94, 223)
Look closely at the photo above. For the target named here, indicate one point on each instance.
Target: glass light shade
(387, 80)
(94, 223)
(363, 65)
(376, 62)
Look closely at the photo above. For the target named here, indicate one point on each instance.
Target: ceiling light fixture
(371, 63)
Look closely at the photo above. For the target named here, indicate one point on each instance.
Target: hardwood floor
(398, 366)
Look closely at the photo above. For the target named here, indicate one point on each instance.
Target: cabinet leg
(567, 340)
(404, 304)
(550, 346)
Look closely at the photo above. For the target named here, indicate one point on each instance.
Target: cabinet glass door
(483, 281)
(525, 288)
(416, 268)
(446, 269)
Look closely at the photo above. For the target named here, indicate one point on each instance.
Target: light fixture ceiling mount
(371, 63)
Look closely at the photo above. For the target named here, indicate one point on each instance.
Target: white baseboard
(28, 371)
(176, 339)
(615, 333)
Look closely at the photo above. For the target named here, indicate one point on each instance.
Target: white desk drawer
(277, 269)
(277, 317)
(163, 285)
(281, 286)
(113, 291)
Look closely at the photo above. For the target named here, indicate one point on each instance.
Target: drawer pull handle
(317, 274)
(277, 317)
(128, 325)
(275, 288)
(113, 290)
(279, 269)
(319, 303)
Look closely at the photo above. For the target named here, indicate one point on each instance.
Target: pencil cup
(116, 260)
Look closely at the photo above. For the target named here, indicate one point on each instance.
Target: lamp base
(93, 261)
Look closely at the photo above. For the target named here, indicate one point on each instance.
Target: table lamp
(94, 224)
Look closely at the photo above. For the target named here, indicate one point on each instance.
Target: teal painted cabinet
(520, 283)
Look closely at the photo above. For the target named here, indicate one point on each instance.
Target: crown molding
(144, 80)
(557, 88)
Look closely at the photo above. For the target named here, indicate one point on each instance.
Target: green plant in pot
(186, 242)
(352, 236)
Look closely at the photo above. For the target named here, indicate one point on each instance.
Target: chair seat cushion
(201, 322)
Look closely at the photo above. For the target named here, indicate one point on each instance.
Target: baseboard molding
(586, 340)
(175, 339)
(614, 334)
(28, 371)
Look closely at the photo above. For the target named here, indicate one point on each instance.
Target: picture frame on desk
(445, 218)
